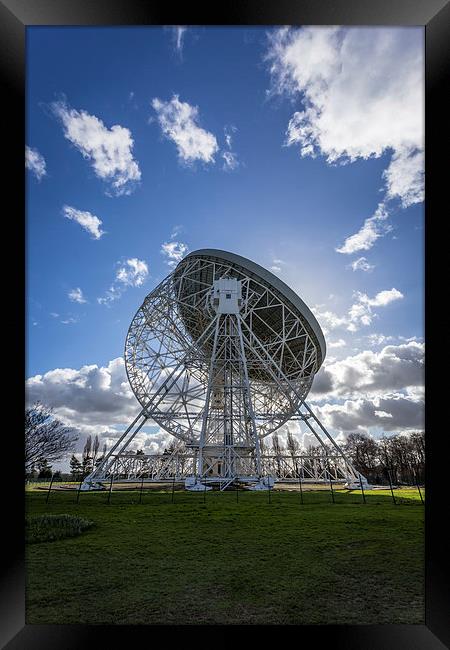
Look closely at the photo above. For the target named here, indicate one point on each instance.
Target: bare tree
(400, 457)
(278, 449)
(86, 457)
(95, 447)
(293, 447)
(100, 458)
(46, 437)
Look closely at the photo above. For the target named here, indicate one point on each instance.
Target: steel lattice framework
(221, 354)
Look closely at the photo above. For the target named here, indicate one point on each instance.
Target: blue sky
(279, 145)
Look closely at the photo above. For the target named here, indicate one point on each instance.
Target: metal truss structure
(221, 354)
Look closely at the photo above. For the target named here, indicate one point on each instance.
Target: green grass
(223, 561)
(49, 528)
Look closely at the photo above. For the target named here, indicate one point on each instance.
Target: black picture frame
(434, 16)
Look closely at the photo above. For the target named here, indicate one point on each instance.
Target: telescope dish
(221, 354)
(282, 341)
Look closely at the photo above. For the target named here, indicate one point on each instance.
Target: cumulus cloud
(340, 343)
(393, 368)
(179, 123)
(35, 162)
(391, 413)
(130, 273)
(88, 221)
(361, 264)
(173, 252)
(92, 392)
(362, 95)
(328, 319)
(360, 313)
(110, 151)
(379, 339)
(95, 400)
(373, 228)
(133, 272)
(382, 298)
(76, 295)
(382, 389)
(404, 177)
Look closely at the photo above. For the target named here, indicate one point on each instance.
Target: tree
(44, 469)
(364, 453)
(86, 462)
(76, 469)
(278, 450)
(100, 458)
(31, 474)
(293, 447)
(46, 437)
(95, 447)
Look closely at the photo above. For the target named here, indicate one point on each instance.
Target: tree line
(90, 459)
(400, 457)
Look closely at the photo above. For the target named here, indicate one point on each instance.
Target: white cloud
(277, 265)
(133, 272)
(382, 389)
(174, 252)
(109, 150)
(369, 373)
(379, 339)
(130, 273)
(340, 343)
(88, 221)
(76, 295)
(373, 228)
(95, 401)
(362, 88)
(179, 33)
(179, 123)
(382, 414)
(230, 161)
(360, 313)
(35, 162)
(391, 413)
(328, 319)
(362, 95)
(176, 230)
(361, 264)
(230, 157)
(404, 177)
(382, 298)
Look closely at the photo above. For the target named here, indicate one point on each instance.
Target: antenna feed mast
(226, 296)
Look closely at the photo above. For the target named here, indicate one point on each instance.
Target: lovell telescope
(221, 354)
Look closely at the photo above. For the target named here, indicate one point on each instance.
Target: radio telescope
(221, 354)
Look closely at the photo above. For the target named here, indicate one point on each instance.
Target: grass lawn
(227, 561)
